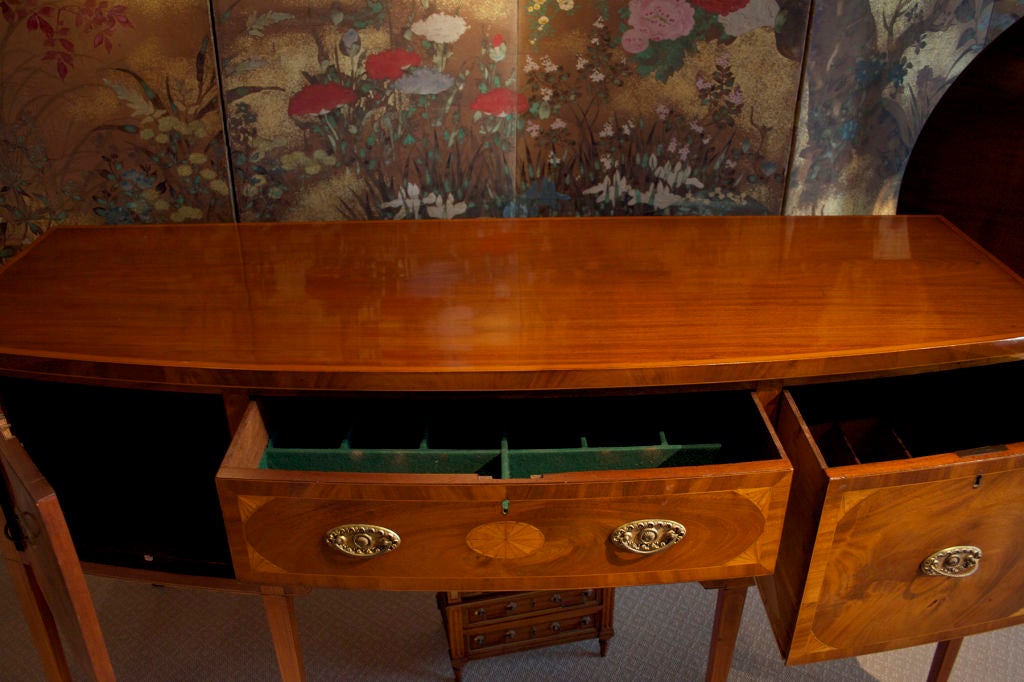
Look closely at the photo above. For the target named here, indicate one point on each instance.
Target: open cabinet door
(45, 568)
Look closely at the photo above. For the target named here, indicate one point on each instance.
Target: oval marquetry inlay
(505, 539)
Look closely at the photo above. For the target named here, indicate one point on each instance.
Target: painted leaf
(257, 22)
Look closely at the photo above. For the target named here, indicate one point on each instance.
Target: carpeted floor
(158, 634)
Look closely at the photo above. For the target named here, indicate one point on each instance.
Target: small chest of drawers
(483, 624)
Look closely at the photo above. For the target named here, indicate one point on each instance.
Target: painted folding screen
(216, 110)
(108, 113)
(356, 109)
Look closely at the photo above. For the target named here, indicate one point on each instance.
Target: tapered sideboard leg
(944, 659)
(732, 595)
(284, 631)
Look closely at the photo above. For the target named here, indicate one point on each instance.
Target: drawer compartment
(509, 494)
(893, 479)
(551, 628)
(517, 604)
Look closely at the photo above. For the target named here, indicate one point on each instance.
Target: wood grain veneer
(505, 305)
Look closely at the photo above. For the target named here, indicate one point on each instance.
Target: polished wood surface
(505, 305)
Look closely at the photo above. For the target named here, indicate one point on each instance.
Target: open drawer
(906, 519)
(515, 494)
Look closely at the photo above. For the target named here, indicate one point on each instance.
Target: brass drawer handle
(953, 562)
(648, 536)
(363, 540)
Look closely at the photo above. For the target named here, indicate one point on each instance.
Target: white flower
(596, 76)
(530, 65)
(558, 124)
(610, 189)
(678, 175)
(581, 62)
(608, 130)
(407, 203)
(566, 4)
(549, 66)
(662, 111)
(657, 196)
(449, 208)
(440, 28)
(546, 93)
(533, 128)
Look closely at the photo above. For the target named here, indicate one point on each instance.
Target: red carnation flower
(500, 102)
(497, 40)
(320, 98)
(390, 65)
(722, 7)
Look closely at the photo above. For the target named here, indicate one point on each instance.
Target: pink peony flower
(656, 20)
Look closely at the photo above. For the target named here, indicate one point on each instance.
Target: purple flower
(423, 80)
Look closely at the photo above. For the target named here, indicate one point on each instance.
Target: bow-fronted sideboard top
(506, 305)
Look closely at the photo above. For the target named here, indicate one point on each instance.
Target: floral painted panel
(108, 113)
(367, 109)
(421, 108)
(875, 70)
(657, 106)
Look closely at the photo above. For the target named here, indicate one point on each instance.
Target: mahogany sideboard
(542, 404)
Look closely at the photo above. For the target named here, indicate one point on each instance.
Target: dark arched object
(968, 163)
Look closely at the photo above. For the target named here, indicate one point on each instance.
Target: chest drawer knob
(363, 540)
(953, 562)
(647, 536)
